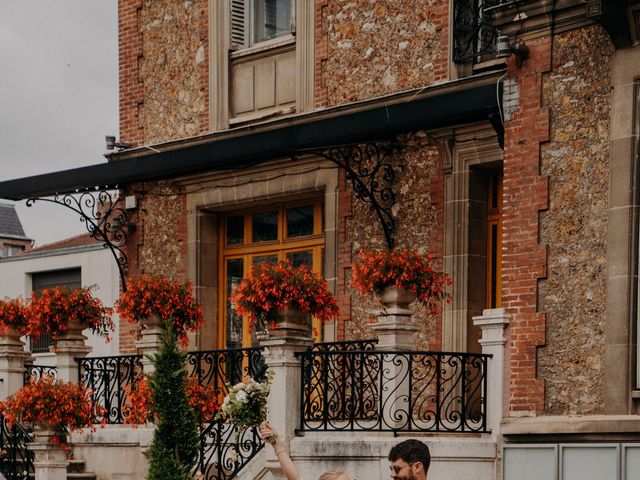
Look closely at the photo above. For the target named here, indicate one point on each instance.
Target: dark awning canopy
(446, 105)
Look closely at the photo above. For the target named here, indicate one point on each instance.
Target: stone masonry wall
(174, 69)
(163, 70)
(364, 49)
(158, 244)
(576, 160)
(419, 216)
(367, 48)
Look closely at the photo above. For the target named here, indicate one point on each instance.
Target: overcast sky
(58, 96)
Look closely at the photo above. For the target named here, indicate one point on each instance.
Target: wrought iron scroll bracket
(104, 217)
(369, 169)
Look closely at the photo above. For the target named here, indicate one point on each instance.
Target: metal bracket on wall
(372, 177)
(105, 218)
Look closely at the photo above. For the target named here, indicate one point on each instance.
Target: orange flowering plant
(271, 287)
(169, 300)
(61, 406)
(13, 316)
(373, 271)
(51, 311)
(140, 409)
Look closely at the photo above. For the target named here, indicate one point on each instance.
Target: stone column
(50, 461)
(493, 323)
(150, 342)
(395, 327)
(395, 330)
(284, 397)
(69, 346)
(12, 363)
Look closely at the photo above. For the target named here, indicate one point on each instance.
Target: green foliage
(174, 449)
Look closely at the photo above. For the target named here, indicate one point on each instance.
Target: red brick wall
(344, 254)
(524, 259)
(130, 56)
(321, 52)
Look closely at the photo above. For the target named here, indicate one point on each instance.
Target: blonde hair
(332, 474)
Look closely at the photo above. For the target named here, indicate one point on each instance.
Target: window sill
(261, 115)
(267, 46)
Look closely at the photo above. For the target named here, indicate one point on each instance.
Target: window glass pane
(235, 230)
(234, 321)
(300, 221)
(301, 258)
(264, 259)
(272, 19)
(265, 226)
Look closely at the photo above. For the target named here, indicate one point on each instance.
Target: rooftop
(10, 225)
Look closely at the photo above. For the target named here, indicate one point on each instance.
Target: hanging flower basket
(271, 290)
(168, 300)
(52, 406)
(61, 311)
(13, 318)
(383, 273)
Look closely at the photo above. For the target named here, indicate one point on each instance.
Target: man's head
(409, 460)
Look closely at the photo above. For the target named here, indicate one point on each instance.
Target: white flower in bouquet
(246, 403)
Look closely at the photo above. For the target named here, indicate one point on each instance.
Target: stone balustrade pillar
(150, 342)
(12, 363)
(395, 330)
(395, 327)
(284, 397)
(493, 323)
(68, 347)
(50, 462)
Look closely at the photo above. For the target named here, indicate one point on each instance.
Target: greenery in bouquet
(13, 316)
(57, 405)
(245, 404)
(167, 299)
(270, 287)
(51, 311)
(373, 271)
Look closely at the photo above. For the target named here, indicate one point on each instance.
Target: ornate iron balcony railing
(16, 463)
(36, 372)
(393, 391)
(217, 439)
(356, 345)
(474, 35)
(111, 379)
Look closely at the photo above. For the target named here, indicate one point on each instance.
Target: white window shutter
(239, 24)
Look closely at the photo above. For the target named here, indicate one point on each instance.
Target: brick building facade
(517, 172)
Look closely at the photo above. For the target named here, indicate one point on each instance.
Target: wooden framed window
(292, 231)
(494, 241)
(255, 21)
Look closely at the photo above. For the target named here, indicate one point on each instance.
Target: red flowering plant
(271, 287)
(167, 299)
(373, 271)
(13, 316)
(57, 405)
(139, 407)
(52, 310)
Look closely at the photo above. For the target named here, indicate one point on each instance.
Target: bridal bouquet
(246, 403)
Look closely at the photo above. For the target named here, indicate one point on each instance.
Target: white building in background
(74, 262)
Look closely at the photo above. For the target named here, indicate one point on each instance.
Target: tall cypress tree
(174, 449)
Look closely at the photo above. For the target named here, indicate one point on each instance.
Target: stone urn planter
(11, 336)
(396, 297)
(290, 321)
